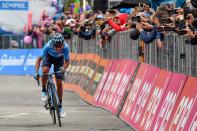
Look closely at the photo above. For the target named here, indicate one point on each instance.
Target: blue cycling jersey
(49, 49)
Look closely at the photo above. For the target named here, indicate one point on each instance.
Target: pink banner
(123, 86)
(102, 83)
(142, 95)
(168, 102)
(134, 89)
(108, 83)
(147, 111)
(114, 85)
(29, 19)
(183, 117)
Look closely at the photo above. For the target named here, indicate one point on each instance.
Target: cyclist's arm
(66, 64)
(66, 56)
(37, 66)
(43, 53)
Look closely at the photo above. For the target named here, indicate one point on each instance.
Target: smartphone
(167, 28)
(138, 19)
(140, 4)
(173, 12)
(165, 21)
(160, 29)
(182, 32)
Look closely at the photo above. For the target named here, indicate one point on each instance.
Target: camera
(165, 21)
(187, 11)
(172, 12)
(165, 28)
(137, 18)
(182, 32)
(180, 24)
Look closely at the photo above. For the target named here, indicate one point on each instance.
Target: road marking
(22, 114)
(14, 115)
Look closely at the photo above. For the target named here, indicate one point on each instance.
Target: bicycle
(52, 103)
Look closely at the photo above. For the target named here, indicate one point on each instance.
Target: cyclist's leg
(57, 64)
(59, 77)
(46, 64)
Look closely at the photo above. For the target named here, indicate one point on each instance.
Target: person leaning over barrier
(55, 52)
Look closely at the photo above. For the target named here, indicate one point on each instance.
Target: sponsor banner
(88, 69)
(83, 73)
(123, 86)
(143, 94)
(79, 69)
(68, 70)
(142, 71)
(102, 82)
(91, 88)
(75, 69)
(18, 62)
(90, 74)
(14, 5)
(184, 114)
(139, 92)
(108, 83)
(169, 100)
(113, 87)
(147, 111)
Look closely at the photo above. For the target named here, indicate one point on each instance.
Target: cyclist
(55, 52)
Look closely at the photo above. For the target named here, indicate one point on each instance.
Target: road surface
(21, 109)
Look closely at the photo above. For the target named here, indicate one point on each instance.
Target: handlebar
(49, 75)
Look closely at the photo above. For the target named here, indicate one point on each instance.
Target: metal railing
(176, 56)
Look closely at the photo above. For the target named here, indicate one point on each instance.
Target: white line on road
(22, 114)
(14, 115)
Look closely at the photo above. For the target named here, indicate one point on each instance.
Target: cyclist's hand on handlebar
(37, 76)
(62, 69)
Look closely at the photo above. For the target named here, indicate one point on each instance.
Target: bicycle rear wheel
(56, 104)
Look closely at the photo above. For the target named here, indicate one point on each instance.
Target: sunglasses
(58, 46)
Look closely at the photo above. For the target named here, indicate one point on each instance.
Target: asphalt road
(21, 109)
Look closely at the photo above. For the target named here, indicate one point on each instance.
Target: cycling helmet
(58, 39)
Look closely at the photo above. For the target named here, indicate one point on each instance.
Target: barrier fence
(144, 96)
(176, 56)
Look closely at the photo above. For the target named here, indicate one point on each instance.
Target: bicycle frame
(53, 100)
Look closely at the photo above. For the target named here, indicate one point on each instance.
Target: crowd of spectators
(142, 22)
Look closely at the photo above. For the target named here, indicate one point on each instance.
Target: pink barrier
(102, 83)
(184, 114)
(114, 85)
(157, 99)
(147, 112)
(168, 101)
(120, 85)
(126, 110)
(137, 101)
(108, 84)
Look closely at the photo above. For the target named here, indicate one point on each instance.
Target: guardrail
(176, 56)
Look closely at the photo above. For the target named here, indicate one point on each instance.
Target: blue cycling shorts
(48, 60)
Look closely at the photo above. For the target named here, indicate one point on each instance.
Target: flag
(77, 6)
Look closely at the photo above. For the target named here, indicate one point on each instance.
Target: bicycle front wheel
(56, 104)
(51, 103)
